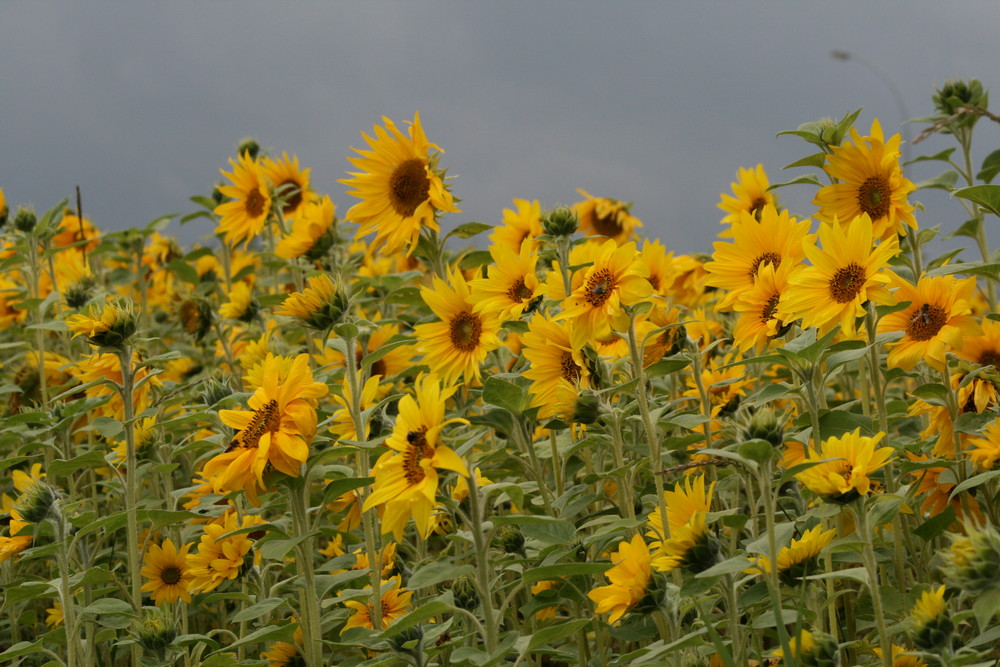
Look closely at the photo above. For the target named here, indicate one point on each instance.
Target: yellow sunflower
(761, 316)
(554, 362)
(629, 579)
(845, 273)
(930, 624)
(869, 181)
(776, 239)
(937, 482)
(750, 195)
(616, 279)
(220, 559)
(937, 319)
(243, 218)
(284, 654)
(524, 223)
(457, 344)
(343, 423)
(319, 306)
(846, 475)
(801, 558)
(54, 615)
(511, 283)
(582, 256)
(110, 327)
(401, 191)
(13, 542)
(985, 349)
(902, 657)
(398, 360)
(406, 478)
(395, 604)
(606, 217)
(290, 184)
(168, 573)
(310, 235)
(241, 305)
(985, 451)
(688, 543)
(276, 430)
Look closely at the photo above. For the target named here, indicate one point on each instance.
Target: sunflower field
(370, 441)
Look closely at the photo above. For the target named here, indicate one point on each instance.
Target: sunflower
(930, 624)
(761, 317)
(13, 542)
(72, 230)
(168, 573)
(311, 234)
(617, 278)
(938, 318)
(776, 239)
(54, 615)
(400, 189)
(606, 217)
(110, 327)
(985, 451)
(812, 648)
(801, 558)
(511, 284)
(583, 256)
(902, 657)
(243, 218)
(290, 183)
(545, 613)
(870, 182)
(520, 225)
(396, 361)
(985, 349)
(277, 429)
(343, 422)
(107, 366)
(456, 345)
(406, 477)
(846, 475)
(242, 305)
(661, 275)
(630, 578)
(937, 482)
(395, 604)
(750, 195)
(318, 306)
(687, 542)
(220, 558)
(725, 386)
(284, 654)
(845, 274)
(554, 361)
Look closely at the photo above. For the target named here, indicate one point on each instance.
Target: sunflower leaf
(991, 167)
(436, 573)
(944, 181)
(417, 616)
(986, 196)
(468, 230)
(814, 160)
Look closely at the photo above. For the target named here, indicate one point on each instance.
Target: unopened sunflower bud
(587, 409)
(408, 641)
(824, 653)
(511, 539)
(955, 95)
(465, 594)
(78, 294)
(764, 425)
(213, 390)
(561, 221)
(155, 632)
(115, 324)
(972, 563)
(35, 503)
(249, 145)
(25, 219)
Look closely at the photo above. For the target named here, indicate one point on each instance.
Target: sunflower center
(254, 204)
(465, 331)
(598, 287)
(767, 312)
(874, 197)
(293, 195)
(926, 322)
(377, 368)
(607, 224)
(847, 283)
(569, 367)
(519, 291)
(772, 258)
(170, 575)
(418, 450)
(990, 358)
(409, 186)
(756, 206)
(265, 419)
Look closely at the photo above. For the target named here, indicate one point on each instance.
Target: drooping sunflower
(846, 475)
(616, 279)
(110, 327)
(290, 183)
(687, 543)
(169, 576)
(395, 603)
(456, 345)
(554, 362)
(318, 306)
(629, 579)
(776, 239)
(511, 284)
(845, 273)
(276, 430)
(761, 316)
(937, 319)
(750, 195)
(870, 182)
(242, 305)
(611, 218)
(406, 477)
(243, 218)
(310, 235)
(801, 558)
(521, 224)
(400, 189)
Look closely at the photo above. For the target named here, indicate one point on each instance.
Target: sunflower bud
(155, 632)
(972, 563)
(248, 145)
(25, 219)
(408, 641)
(213, 391)
(465, 594)
(78, 294)
(319, 306)
(587, 409)
(956, 95)
(511, 539)
(930, 624)
(824, 653)
(764, 425)
(561, 221)
(35, 503)
(115, 324)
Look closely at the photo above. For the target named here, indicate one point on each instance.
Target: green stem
(871, 566)
(312, 633)
(131, 486)
(65, 592)
(774, 583)
(482, 562)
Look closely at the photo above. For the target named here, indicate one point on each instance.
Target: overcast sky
(141, 103)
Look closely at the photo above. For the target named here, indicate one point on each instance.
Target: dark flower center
(409, 186)
(519, 291)
(465, 331)
(608, 225)
(756, 206)
(847, 283)
(598, 287)
(772, 258)
(292, 195)
(265, 419)
(569, 367)
(254, 204)
(990, 358)
(170, 575)
(874, 197)
(926, 321)
(418, 449)
(767, 312)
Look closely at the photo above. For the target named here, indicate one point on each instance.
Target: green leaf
(257, 610)
(560, 570)
(758, 451)
(266, 635)
(991, 167)
(422, 613)
(936, 525)
(814, 160)
(475, 259)
(937, 157)
(856, 573)
(944, 181)
(934, 393)
(986, 196)
(468, 230)
(545, 529)
(986, 606)
(184, 271)
(987, 270)
(554, 633)
(61, 468)
(108, 427)
(974, 481)
(883, 509)
(504, 394)
(109, 606)
(808, 179)
(19, 649)
(386, 348)
(435, 573)
(729, 566)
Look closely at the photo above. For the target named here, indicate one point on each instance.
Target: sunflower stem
(312, 633)
(127, 391)
(625, 498)
(871, 566)
(482, 562)
(720, 646)
(765, 476)
(73, 648)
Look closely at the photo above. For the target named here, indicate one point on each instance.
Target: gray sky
(141, 103)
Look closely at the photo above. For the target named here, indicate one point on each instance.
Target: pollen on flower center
(293, 196)
(772, 258)
(409, 186)
(767, 312)
(847, 283)
(926, 322)
(254, 203)
(465, 331)
(170, 575)
(519, 291)
(569, 367)
(874, 197)
(266, 419)
(418, 449)
(598, 287)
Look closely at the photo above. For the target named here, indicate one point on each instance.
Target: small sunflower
(750, 195)
(521, 224)
(511, 284)
(243, 217)
(801, 558)
(985, 349)
(284, 654)
(168, 573)
(845, 273)
(930, 624)
(220, 558)
(985, 450)
(937, 319)
(54, 615)
(242, 305)
(290, 183)
(761, 317)
(319, 306)
(400, 189)
(630, 578)
(311, 234)
(457, 344)
(110, 327)
(554, 362)
(846, 475)
(610, 218)
(395, 604)
(687, 543)
(903, 657)
(870, 182)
